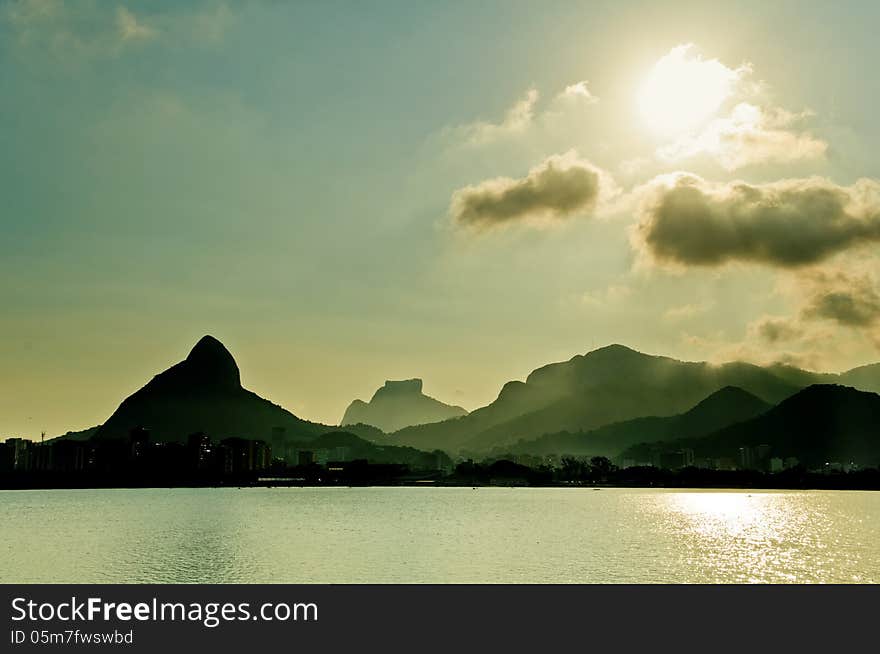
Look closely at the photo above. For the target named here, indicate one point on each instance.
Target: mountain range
(819, 424)
(724, 407)
(611, 384)
(601, 402)
(399, 404)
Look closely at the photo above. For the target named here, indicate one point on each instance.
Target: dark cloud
(775, 330)
(560, 187)
(848, 301)
(787, 224)
(847, 308)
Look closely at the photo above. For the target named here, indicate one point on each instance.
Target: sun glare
(684, 90)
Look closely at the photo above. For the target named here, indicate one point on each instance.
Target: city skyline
(345, 198)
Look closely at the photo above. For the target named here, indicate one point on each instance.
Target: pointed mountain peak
(729, 399)
(203, 393)
(731, 391)
(210, 359)
(208, 346)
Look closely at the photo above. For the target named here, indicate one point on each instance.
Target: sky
(348, 192)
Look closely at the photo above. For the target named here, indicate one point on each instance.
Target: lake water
(518, 535)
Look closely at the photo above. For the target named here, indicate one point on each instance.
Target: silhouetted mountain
(399, 404)
(367, 432)
(611, 384)
(724, 407)
(203, 393)
(82, 435)
(864, 378)
(821, 423)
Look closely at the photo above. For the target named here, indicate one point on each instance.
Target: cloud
(75, 31)
(720, 112)
(847, 308)
(560, 187)
(835, 317)
(524, 118)
(685, 220)
(25, 13)
(749, 135)
(578, 91)
(775, 329)
(683, 89)
(516, 120)
(130, 29)
(814, 349)
(848, 300)
(830, 299)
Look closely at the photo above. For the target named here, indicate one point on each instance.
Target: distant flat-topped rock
(399, 404)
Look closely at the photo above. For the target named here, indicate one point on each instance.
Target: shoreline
(573, 486)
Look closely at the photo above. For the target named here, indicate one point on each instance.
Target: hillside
(346, 446)
(724, 407)
(611, 384)
(821, 423)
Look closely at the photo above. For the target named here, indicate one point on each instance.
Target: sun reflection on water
(731, 515)
(439, 535)
(752, 537)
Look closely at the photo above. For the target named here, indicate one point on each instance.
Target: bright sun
(683, 90)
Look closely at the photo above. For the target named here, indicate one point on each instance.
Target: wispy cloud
(749, 135)
(578, 91)
(722, 113)
(515, 121)
(131, 28)
(522, 117)
(775, 329)
(76, 32)
(830, 300)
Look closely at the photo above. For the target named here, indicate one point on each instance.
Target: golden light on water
(441, 535)
(724, 513)
(750, 537)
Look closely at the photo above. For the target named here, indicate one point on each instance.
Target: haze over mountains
(599, 403)
(725, 407)
(399, 404)
(612, 384)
